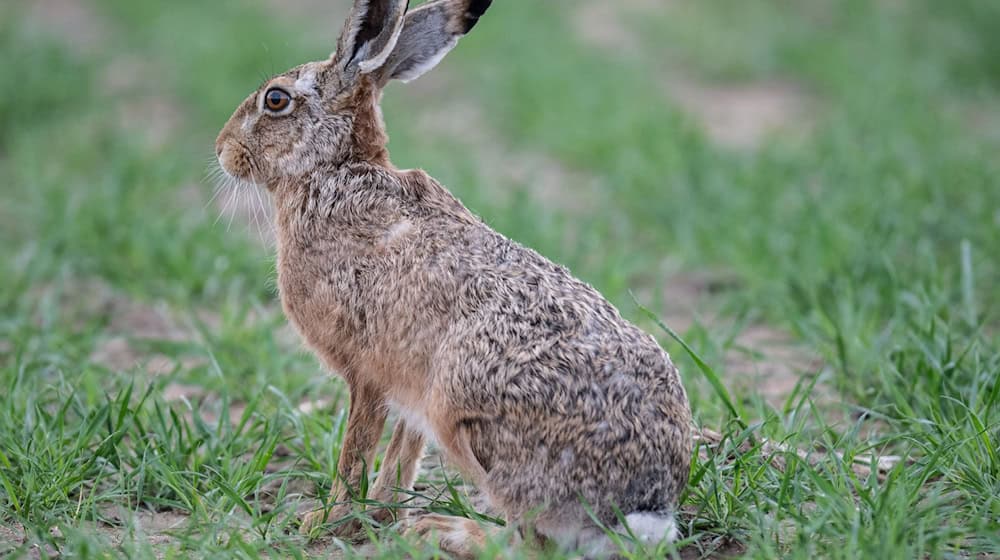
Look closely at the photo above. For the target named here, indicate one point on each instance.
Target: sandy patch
(130, 324)
(203, 403)
(766, 361)
(180, 391)
(601, 24)
(739, 115)
(982, 116)
(119, 354)
(73, 21)
(743, 115)
(760, 359)
(607, 25)
(11, 537)
(149, 522)
(157, 528)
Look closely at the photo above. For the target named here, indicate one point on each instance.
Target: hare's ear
(370, 34)
(429, 32)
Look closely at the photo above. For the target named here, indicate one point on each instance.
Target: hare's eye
(277, 99)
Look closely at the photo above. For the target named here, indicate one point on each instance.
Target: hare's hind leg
(364, 428)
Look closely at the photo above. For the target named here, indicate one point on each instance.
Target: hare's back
(544, 346)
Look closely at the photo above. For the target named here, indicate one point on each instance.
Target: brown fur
(530, 382)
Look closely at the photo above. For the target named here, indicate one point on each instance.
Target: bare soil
(743, 115)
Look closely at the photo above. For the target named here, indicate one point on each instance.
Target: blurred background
(807, 191)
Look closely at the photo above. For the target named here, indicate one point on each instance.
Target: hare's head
(326, 112)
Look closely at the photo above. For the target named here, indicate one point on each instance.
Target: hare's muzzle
(225, 157)
(233, 159)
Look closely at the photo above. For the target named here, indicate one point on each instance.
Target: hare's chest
(297, 300)
(309, 300)
(325, 303)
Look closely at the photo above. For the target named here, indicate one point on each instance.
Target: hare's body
(531, 384)
(481, 342)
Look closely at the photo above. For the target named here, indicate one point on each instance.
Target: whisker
(230, 188)
(260, 214)
(252, 200)
(268, 212)
(216, 176)
(225, 204)
(236, 193)
(215, 194)
(252, 208)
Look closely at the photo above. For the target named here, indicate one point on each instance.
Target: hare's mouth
(237, 165)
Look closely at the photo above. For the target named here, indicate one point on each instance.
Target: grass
(869, 239)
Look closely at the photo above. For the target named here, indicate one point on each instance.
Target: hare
(531, 384)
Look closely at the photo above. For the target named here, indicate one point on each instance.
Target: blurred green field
(807, 191)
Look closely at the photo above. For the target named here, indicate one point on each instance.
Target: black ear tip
(476, 8)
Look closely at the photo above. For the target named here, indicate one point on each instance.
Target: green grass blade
(704, 368)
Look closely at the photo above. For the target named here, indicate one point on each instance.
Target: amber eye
(277, 99)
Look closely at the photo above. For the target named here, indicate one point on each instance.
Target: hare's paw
(386, 516)
(311, 522)
(457, 536)
(330, 522)
(324, 521)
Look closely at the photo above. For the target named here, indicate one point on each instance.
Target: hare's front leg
(399, 469)
(364, 428)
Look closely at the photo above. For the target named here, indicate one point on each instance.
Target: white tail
(652, 527)
(648, 527)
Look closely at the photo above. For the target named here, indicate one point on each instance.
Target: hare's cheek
(295, 160)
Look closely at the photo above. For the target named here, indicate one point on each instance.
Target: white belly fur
(415, 420)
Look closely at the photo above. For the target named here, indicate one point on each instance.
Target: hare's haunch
(530, 383)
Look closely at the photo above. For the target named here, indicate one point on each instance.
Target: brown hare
(531, 384)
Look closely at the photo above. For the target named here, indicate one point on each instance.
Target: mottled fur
(530, 382)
